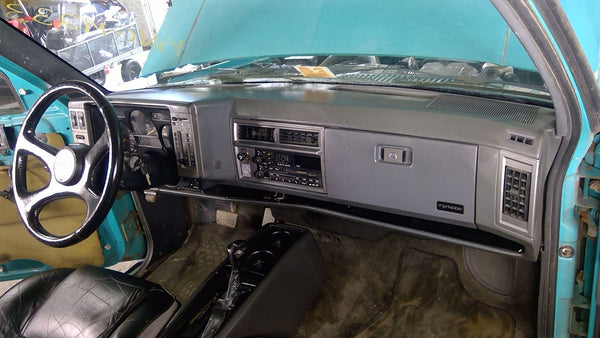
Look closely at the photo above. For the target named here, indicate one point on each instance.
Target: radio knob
(260, 174)
(258, 159)
(242, 156)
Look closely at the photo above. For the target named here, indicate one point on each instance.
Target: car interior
(281, 209)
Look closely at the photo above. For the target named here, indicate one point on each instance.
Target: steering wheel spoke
(97, 151)
(33, 202)
(44, 152)
(72, 168)
(92, 201)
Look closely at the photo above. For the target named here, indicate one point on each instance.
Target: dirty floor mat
(430, 301)
(186, 269)
(400, 286)
(358, 285)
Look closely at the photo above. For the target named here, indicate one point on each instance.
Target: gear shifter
(226, 303)
(235, 250)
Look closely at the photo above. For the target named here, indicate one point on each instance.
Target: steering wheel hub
(67, 168)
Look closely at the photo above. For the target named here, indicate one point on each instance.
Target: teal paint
(21, 79)
(583, 16)
(55, 119)
(569, 220)
(120, 236)
(589, 266)
(196, 32)
(20, 268)
(593, 303)
(121, 231)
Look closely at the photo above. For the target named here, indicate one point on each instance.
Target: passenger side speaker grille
(300, 137)
(516, 193)
(495, 110)
(255, 133)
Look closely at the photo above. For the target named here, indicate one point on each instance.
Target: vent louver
(516, 193)
(255, 133)
(299, 137)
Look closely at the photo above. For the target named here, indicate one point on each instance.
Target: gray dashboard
(461, 161)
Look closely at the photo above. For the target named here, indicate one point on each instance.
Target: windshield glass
(107, 40)
(437, 45)
(394, 71)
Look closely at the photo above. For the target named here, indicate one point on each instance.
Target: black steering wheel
(72, 168)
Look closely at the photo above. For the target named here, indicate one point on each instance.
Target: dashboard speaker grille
(300, 137)
(516, 193)
(255, 133)
(495, 110)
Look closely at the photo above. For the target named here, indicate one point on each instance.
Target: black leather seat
(86, 302)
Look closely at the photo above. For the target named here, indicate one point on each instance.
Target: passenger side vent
(299, 137)
(256, 133)
(520, 138)
(516, 193)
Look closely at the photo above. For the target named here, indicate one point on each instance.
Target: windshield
(393, 71)
(436, 45)
(107, 40)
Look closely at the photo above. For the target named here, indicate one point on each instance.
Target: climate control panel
(187, 150)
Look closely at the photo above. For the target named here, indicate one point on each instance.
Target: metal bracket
(150, 195)
(577, 324)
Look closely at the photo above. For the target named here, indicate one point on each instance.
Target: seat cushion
(86, 302)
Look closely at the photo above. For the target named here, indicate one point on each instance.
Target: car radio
(292, 160)
(277, 166)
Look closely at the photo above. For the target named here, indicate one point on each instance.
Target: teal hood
(196, 32)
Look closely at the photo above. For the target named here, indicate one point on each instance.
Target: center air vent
(516, 193)
(255, 133)
(299, 137)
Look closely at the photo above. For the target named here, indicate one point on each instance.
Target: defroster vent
(256, 133)
(516, 193)
(299, 137)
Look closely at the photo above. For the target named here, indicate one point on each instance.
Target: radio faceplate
(269, 160)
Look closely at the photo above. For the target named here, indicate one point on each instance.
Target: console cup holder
(259, 261)
(281, 239)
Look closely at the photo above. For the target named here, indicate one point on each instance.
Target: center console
(262, 289)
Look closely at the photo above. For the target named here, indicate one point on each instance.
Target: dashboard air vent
(255, 133)
(300, 137)
(520, 138)
(516, 193)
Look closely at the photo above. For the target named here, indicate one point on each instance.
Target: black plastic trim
(390, 222)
